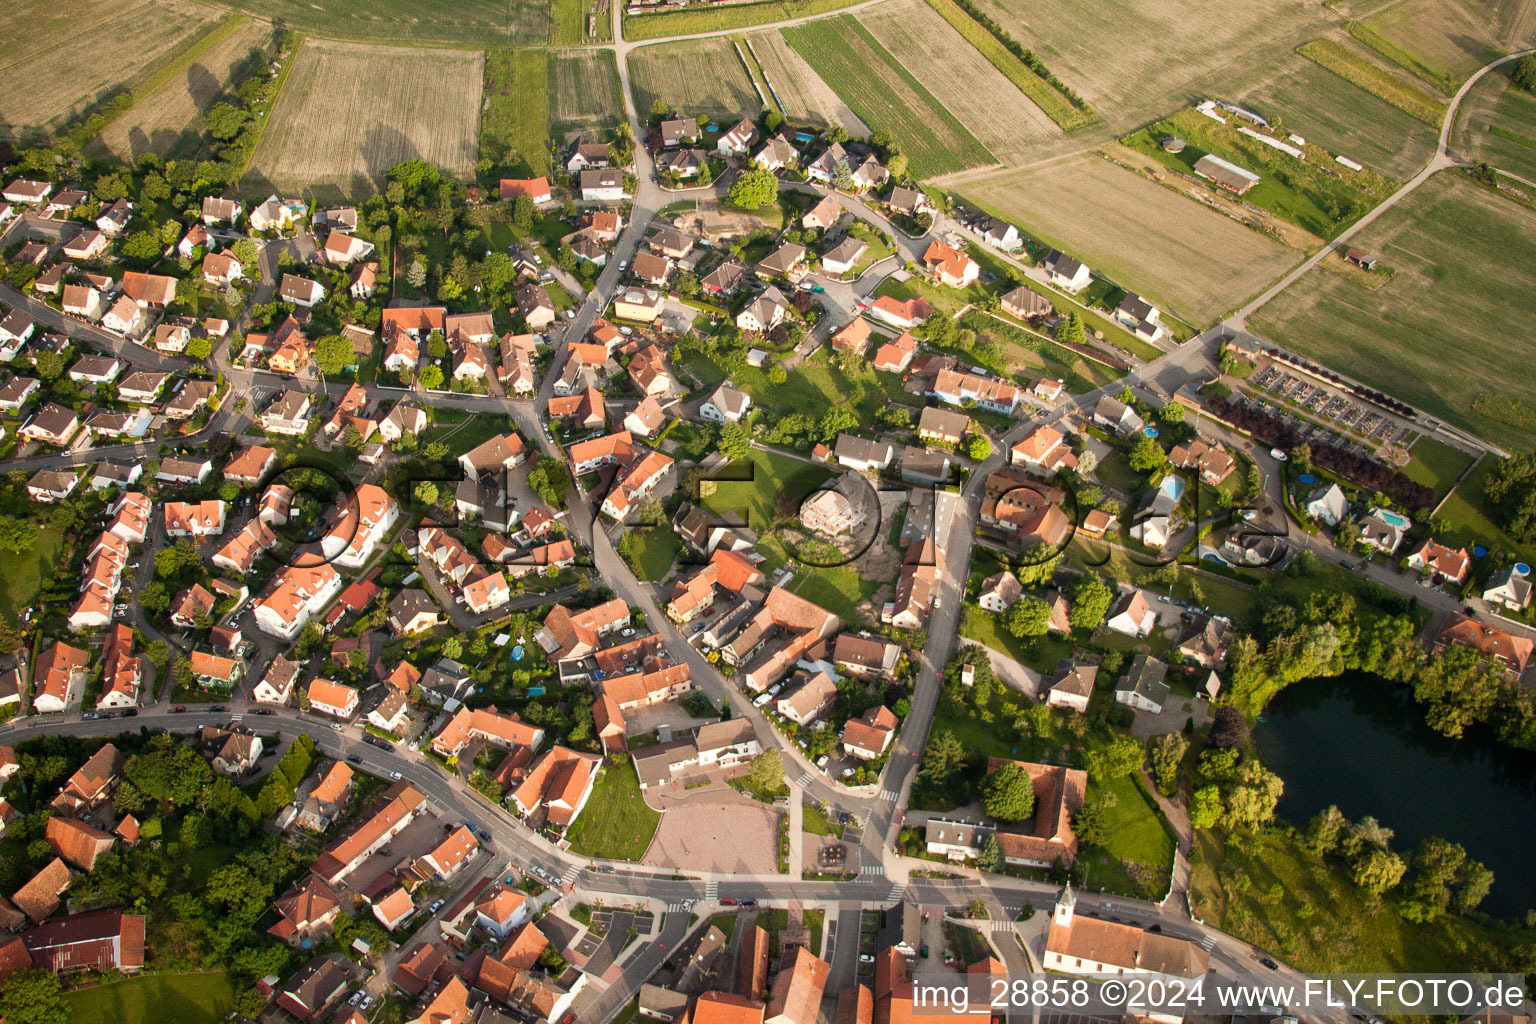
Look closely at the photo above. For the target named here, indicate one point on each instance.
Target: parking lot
(1352, 416)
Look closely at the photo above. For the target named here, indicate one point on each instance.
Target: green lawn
(1466, 515)
(616, 822)
(1436, 465)
(840, 591)
(1040, 653)
(1135, 832)
(815, 822)
(514, 127)
(813, 387)
(156, 999)
(1497, 123)
(24, 573)
(1294, 904)
(755, 487)
(655, 550)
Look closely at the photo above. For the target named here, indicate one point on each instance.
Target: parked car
(178, 709)
(1278, 455)
(729, 901)
(354, 759)
(394, 775)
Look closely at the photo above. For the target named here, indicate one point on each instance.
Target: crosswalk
(1208, 943)
(570, 874)
(896, 893)
(889, 795)
(236, 718)
(1000, 926)
(711, 890)
(804, 780)
(679, 907)
(872, 869)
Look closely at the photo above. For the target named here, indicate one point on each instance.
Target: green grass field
(514, 127)
(1315, 103)
(1292, 903)
(156, 998)
(1136, 834)
(616, 822)
(24, 573)
(655, 551)
(1496, 124)
(886, 95)
(765, 479)
(693, 77)
(815, 821)
(474, 22)
(1466, 514)
(584, 89)
(1436, 465)
(815, 386)
(681, 23)
(1040, 653)
(568, 23)
(1307, 193)
(1355, 66)
(840, 591)
(1448, 326)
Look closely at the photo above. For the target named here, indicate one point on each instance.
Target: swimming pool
(1393, 519)
(1172, 487)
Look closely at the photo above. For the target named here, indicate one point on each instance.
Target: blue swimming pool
(1149, 431)
(1172, 486)
(1393, 519)
(1521, 569)
(1306, 478)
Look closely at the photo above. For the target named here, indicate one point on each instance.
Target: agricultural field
(1194, 261)
(514, 121)
(699, 76)
(963, 81)
(1445, 330)
(886, 95)
(155, 997)
(584, 89)
(468, 22)
(168, 120)
(49, 72)
(350, 111)
(1314, 194)
(1132, 60)
(805, 97)
(1317, 104)
(1496, 124)
(568, 23)
(681, 23)
(1354, 64)
(1443, 41)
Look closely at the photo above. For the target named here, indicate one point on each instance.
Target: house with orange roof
(396, 809)
(446, 859)
(76, 842)
(336, 699)
(488, 725)
(359, 525)
(1496, 647)
(250, 464)
(797, 990)
(568, 635)
(130, 517)
(92, 783)
(536, 189)
(305, 911)
(726, 1008)
(501, 910)
(869, 735)
(901, 313)
(43, 892)
(394, 909)
(895, 356)
(191, 604)
(240, 552)
(557, 786)
(951, 265)
(194, 519)
(1046, 450)
(1132, 615)
(121, 672)
(57, 676)
(295, 594)
(1449, 565)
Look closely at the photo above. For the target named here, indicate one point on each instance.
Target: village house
(1066, 272)
(1447, 565)
(1071, 686)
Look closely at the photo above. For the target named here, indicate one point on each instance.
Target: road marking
(1000, 926)
(571, 873)
(804, 780)
(896, 893)
(1208, 943)
(675, 908)
(872, 869)
(711, 890)
(889, 794)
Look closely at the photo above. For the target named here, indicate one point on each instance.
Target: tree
(943, 756)
(1009, 794)
(991, 856)
(1029, 616)
(1167, 753)
(426, 492)
(766, 773)
(842, 177)
(1459, 689)
(1378, 871)
(31, 996)
(1147, 455)
(735, 442)
(333, 353)
(199, 348)
(1090, 601)
(453, 647)
(651, 513)
(1205, 807)
(1228, 730)
(1325, 830)
(979, 447)
(897, 165)
(1172, 413)
(10, 637)
(835, 421)
(753, 190)
(522, 211)
(246, 252)
(431, 377)
(17, 535)
(1523, 74)
(1120, 758)
(141, 247)
(1070, 331)
(777, 374)
(1252, 801)
(416, 273)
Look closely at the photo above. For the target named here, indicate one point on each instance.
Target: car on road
(761, 699)
(729, 901)
(1278, 455)
(623, 265)
(218, 708)
(367, 1002)
(336, 726)
(178, 709)
(1267, 962)
(394, 775)
(262, 711)
(354, 759)
(749, 903)
(569, 315)
(357, 997)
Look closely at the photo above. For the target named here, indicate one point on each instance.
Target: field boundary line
(263, 123)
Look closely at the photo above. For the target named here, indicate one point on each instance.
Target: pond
(1362, 743)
